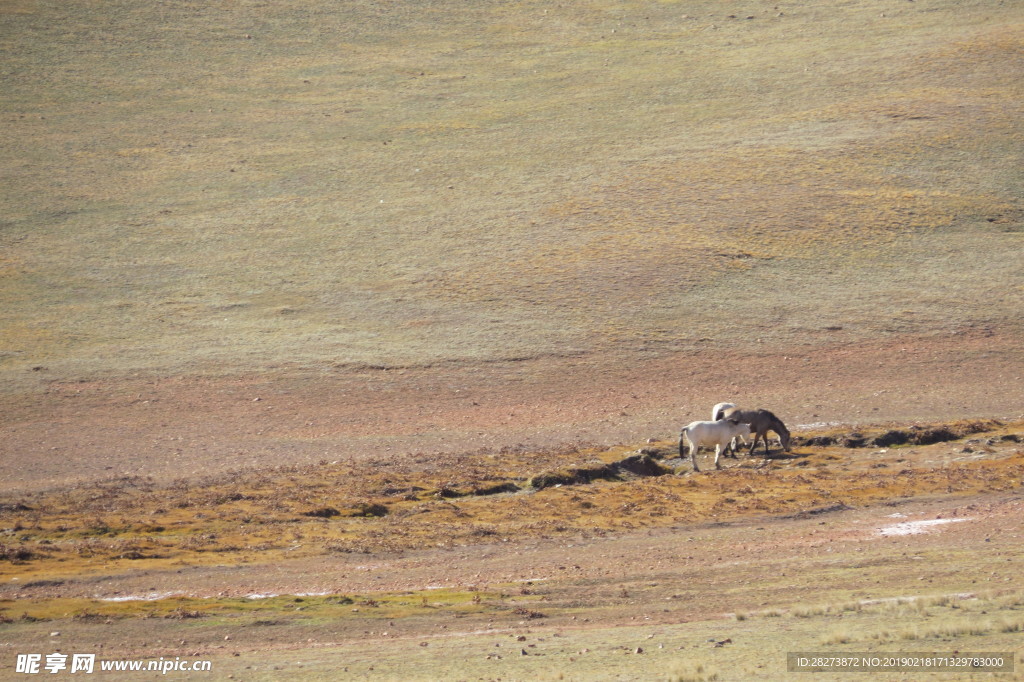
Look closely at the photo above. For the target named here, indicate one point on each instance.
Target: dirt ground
(60, 433)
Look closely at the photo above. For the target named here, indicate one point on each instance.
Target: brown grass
(287, 513)
(193, 188)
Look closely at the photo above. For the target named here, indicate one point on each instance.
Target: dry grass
(258, 609)
(946, 618)
(336, 508)
(693, 672)
(941, 618)
(756, 648)
(221, 188)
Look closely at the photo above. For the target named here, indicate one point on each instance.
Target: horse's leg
(718, 449)
(740, 439)
(693, 456)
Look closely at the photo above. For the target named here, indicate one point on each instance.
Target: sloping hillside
(194, 187)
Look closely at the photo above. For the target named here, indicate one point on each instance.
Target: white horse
(718, 412)
(718, 433)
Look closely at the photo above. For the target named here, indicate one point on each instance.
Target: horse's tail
(683, 442)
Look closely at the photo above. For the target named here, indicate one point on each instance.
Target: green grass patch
(259, 609)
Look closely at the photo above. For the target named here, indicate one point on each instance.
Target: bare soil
(189, 426)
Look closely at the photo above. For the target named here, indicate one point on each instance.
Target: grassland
(298, 299)
(218, 189)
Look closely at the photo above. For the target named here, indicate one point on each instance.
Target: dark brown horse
(761, 422)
